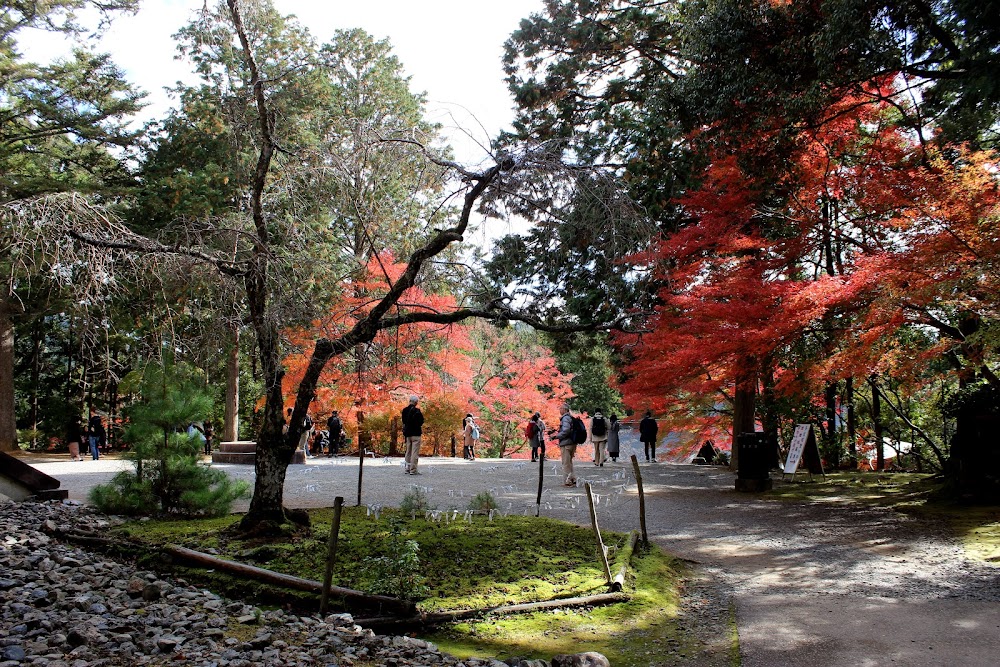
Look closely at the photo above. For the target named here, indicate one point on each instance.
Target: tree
(57, 122)
(268, 228)
(168, 476)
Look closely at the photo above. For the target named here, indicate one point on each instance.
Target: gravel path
(828, 583)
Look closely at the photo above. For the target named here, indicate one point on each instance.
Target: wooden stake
(601, 551)
(541, 476)
(642, 501)
(361, 465)
(331, 556)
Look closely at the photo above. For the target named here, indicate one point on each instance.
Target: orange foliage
(753, 276)
(442, 364)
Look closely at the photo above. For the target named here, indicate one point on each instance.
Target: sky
(451, 48)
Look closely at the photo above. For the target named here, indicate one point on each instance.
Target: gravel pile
(65, 607)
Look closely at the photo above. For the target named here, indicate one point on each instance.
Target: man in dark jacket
(335, 431)
(413, 421)
(647, 435)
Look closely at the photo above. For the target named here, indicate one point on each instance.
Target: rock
(167, 644)
(589, 659)
(135, 586)
(151, 593)
(15, 653)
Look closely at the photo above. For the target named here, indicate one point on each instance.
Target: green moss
(638, 632)
(484, 563)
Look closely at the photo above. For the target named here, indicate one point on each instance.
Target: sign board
(803, 446)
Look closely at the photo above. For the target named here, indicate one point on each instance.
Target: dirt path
(812, 584)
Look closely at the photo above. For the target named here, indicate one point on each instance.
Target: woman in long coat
(614, 446)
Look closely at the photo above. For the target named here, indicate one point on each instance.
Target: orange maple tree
(445, 365)
(797, 278)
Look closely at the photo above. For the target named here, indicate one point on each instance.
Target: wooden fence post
(331, 556)
(601, 551)
(642, 501)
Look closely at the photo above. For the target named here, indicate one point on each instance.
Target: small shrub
(397, 572)
(168, 476)
(483, 502)
(415, 500)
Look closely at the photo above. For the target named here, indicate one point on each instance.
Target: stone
(15, 653)
(589, 659)
(151, 593)
(135, 586)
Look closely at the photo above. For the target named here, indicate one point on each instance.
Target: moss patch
(484, 563)
(642, 631)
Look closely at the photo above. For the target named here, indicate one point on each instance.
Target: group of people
(95, 436)
(316, 442)
(603, 433)
(413, 421)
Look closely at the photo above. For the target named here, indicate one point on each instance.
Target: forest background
(785, 212)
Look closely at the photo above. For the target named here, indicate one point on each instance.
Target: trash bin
(755, 456)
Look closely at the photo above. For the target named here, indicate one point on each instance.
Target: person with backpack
(647, 436)
(471, 433)
(568, 436)
(413, 423)
(335, 431)
(613, 441)
(599, 437)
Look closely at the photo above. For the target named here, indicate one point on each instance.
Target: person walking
(74, 436)
(614, 445)
(97, 436)
(413, 422)
(533, 435)
(647, 435)
(567, 446)
(307, 429)
(335, 431)
(471, 434)
(209, 437)
(599, 437)
(536, 437)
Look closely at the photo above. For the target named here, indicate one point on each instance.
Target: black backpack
(579, 431)
(599, 427)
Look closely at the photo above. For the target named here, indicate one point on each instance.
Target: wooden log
(619, 581)
(390, 604)
(436, 618)
(642, 500)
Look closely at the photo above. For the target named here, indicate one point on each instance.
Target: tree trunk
(231, 423)
(877, 424)
(394, 436)
(832, 445)
(8, 422)
(744, 406)
(852, 442)
(37, 337)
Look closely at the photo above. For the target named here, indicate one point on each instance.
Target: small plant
(397, 572)
(483, 502)
(415, 500)
(168, 476)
